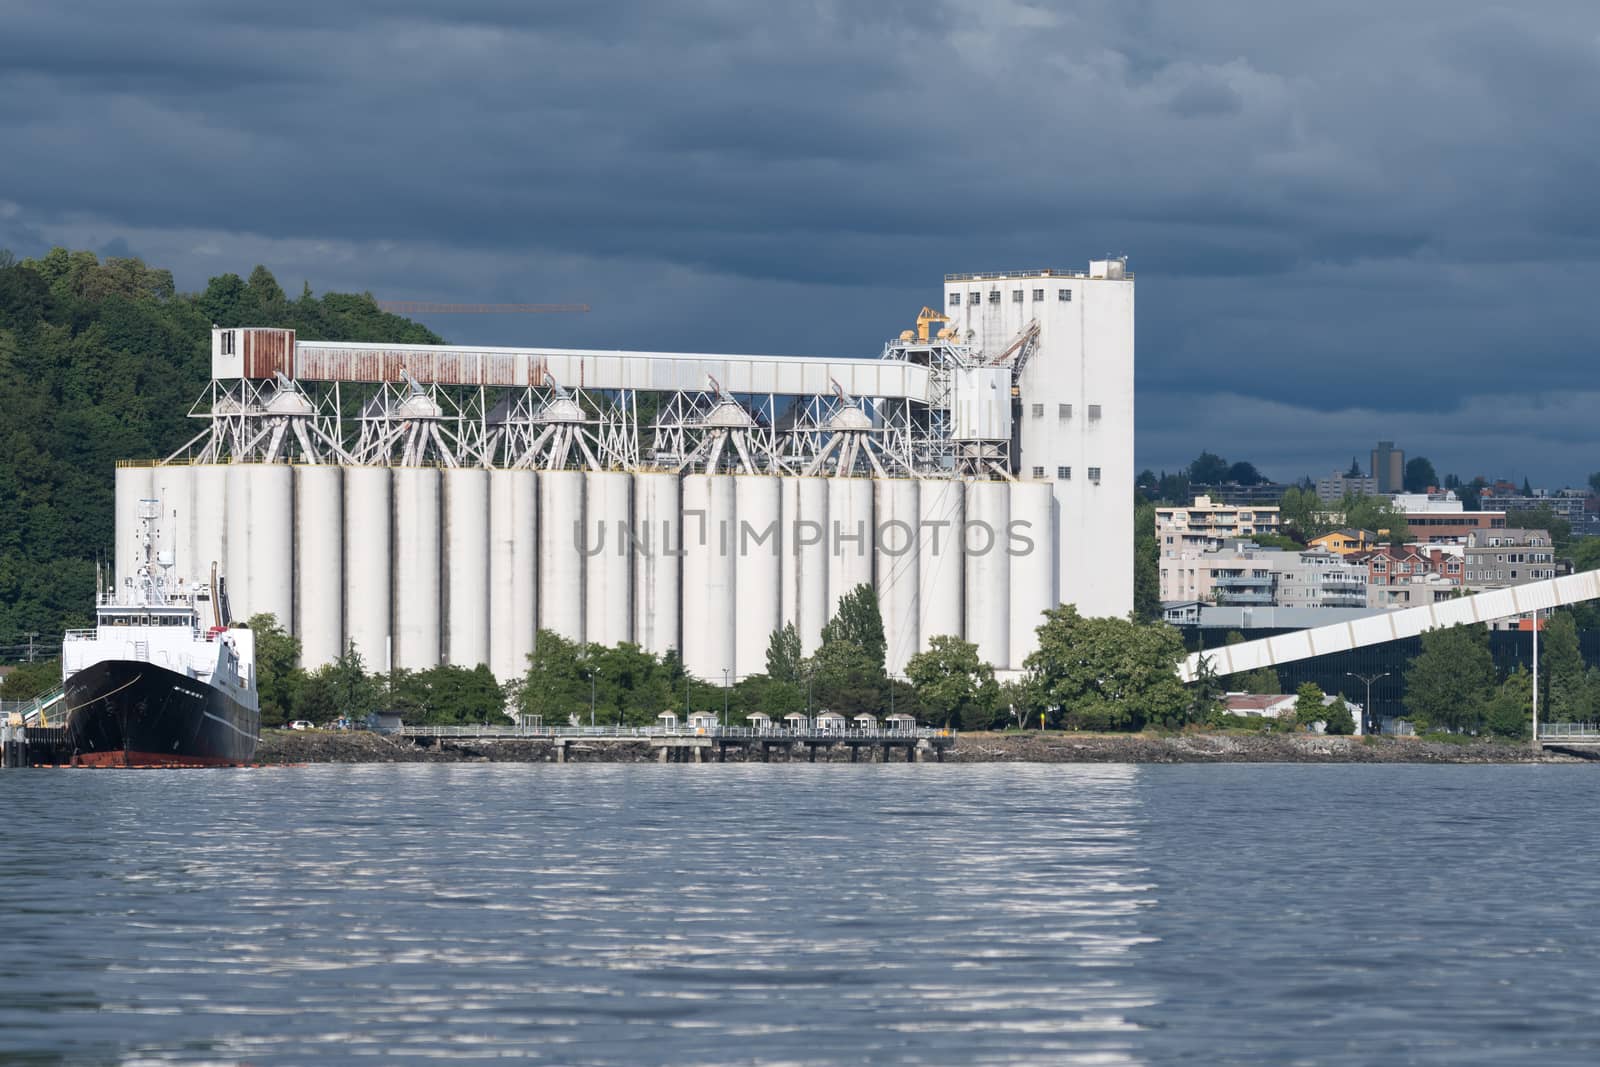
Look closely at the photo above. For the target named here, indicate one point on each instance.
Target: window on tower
(1038, 411)
(1038, 294)
(974, 298)
(1094, 412)
(1064, 295)
(955, 300)
(994, 296)
(1094, 474)
(1065, 474)
(1064, 411)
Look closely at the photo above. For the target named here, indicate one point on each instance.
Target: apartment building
(1246, 575)
(1407, 575)
(1336, 486)
(1440, 517)
(1499, 558)
(1205, 526)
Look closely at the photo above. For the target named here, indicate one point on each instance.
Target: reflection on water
(794, 914)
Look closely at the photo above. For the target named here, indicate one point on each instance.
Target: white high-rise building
(1074, 424)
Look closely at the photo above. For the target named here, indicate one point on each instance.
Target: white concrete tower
(1074, 420)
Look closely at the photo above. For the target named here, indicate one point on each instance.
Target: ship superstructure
(161, 679)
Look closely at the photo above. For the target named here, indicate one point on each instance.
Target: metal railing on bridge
(1581, 733)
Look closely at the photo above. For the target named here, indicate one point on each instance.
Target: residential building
(1257, 621)
(1569, 504)
(1403, 576)
(1336, 486)
(1206, 526)
(1388, 467)
(1496, 559)
(1345, 541)
(1278, 705)
(1236, 495)
(1247, 575)
(1437, 517)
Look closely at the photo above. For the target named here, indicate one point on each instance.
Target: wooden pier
(707, 744)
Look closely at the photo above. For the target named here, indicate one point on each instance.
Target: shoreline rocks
(318, 746)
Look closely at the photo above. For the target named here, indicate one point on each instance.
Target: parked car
(301, 724)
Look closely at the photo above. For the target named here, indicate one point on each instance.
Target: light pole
(1536, 679)
(1366, 712)
(591, 696)
(725, 698)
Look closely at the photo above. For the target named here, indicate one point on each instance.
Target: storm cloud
(1348, 220)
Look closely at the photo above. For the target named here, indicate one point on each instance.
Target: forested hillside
(101, 360)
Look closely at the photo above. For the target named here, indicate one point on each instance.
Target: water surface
(801, 914)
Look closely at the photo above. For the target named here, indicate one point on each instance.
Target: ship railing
(80, 635)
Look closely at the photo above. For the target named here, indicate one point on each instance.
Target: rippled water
(801, 914)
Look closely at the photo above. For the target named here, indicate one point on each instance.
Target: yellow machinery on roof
(925, 318)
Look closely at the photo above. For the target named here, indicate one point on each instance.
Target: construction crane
(423, 307)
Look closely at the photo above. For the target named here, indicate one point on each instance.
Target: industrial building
(441, 504)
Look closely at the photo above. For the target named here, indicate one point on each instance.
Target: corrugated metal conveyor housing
(1394, 625)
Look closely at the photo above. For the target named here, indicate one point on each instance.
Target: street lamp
(725, 698)
(591, 696)
(1366, 711)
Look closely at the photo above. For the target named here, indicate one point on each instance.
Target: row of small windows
(1063, 296)
(1064, 411)
(1064, 474)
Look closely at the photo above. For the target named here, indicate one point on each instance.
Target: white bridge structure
(1395, 625)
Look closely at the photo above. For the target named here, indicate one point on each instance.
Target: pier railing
(741, 733)
(1570, 731)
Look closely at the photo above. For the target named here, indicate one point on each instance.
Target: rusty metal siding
(268, 352)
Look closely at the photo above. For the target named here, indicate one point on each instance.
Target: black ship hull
(124, 713)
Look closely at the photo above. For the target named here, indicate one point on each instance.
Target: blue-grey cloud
(1333, 208)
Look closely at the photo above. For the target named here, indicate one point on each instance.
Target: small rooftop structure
(760, 720)
(901, 721)
(866, 721)
(668, 719)
(831, 720)
(702, 720)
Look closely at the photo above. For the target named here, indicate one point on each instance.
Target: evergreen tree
(1566, 691)
(1449, 681)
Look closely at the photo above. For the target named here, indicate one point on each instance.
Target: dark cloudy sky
(1349, 220)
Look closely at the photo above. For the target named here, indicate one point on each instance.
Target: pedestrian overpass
(1395, 625)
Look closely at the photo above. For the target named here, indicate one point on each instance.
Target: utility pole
(591, 696)
(1536, 679)
(1366, 710)
(31, 635)
(724, 698)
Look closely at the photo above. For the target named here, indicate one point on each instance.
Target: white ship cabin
(166, 635)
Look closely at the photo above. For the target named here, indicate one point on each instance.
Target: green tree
(1594, 483)
(785, 656)
(1205, 692)
(555, 686)
(1301, 512)
(953, 684)
(1566, 683)
(1208, 469)
(1107, 674)
(1509, 712)
(1146, 562)
(278, 674)
(1339, 719)
(29, 680)
(1544, 518)
(1448, 682)
(1308, 705)
(1377, 513)
(1420, 475)
(341, 689)
(1245, 473)
(858, 623)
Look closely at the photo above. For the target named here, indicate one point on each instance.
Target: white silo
(757, 548)
(368, 515)
(895, 522)
(608, 557)
(270, 557)
(173, 486)
(466, 566)
(941, 504)
(849, 537)
(983, 544)
(1031, 550)
(658, 540)
(238, 567)
(560, 560)
(210, 536)
(804, 566)
(708, 575)
(133, 484)
(319, 563)
(416, 568)
(513, 570)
